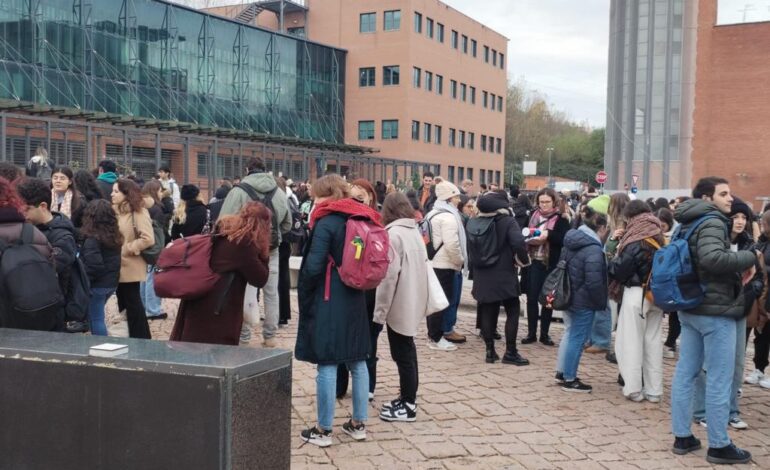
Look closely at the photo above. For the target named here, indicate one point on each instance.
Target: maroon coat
(196, 321)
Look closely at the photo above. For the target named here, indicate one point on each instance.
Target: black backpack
(78, 294)
(30, 297)
(298, 227)
(483, 249)
(557, 291)
(267, 200)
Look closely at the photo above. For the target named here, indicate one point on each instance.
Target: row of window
(431, 133)
(497, 58)
(367, 22)
(485, 176)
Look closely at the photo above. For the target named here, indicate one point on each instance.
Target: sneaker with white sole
(636, 396)
(357, 432)
(390, 404)
(371, 396)
(702, 422)
(765, 383)
(441, 345)
(652, 398)
(402, 411)
(738, 423)
(317, 437)
(755, 377)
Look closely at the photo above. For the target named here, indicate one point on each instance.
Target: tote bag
(437, 300)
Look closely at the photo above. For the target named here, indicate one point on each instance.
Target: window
(499, 145)
(392, 20)
(489, 177)
(427, 132)
(440, 32)
(452, 133)
(492, 101)
(502, 61)
(365, 130)
(482, 176)
(497, 177)
(473, 95)
(462, 139)
(465, 44)
(453, 88)
(440, 84)
(203, 164)
(471, 140)
(366, 76)
(460, 174)
(416, 73)
(428, 81)
(486, 54)
(367, 22)
(470, 174)
(437, 139)
(454, 39)
(491, 144)
(390, 75)
(415, 130)
(483, 143)
(494, 57)
(463, 91)
(451, 174)
(429, 27)
(474, 47)
(417, 23)
(485, 98)
(500, 103)
(299, 31)
(390, 129)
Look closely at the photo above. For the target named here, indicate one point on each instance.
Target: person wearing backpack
(496, 281)
(638, 345)
(191, 216)
(39, 166)
(260, 185)
(136, 227)
(709, 330)
(333, 324)
(760, 324)
(152, 191)
(13, 227)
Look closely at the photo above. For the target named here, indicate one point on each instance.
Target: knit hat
(446, 191)
(491, 202)
(600, 204)
(740, 207)
(189, 192)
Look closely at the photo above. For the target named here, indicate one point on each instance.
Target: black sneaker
(161, 316)
(576, 386)
(685, 445)
(497, 336)
(357, 432)
(390, 404)
(728, 455)
(559, 377)
(528, 340)
(515, 359)
(611, 358)
(546, 340)
(317, 437)
(402, 411)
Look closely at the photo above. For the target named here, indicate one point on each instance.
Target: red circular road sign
(601, 177)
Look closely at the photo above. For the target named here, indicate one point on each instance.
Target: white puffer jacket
(445, 230)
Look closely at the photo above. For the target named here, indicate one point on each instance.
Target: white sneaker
(738, 423)
(636, 396)
(652, 398)
(765, 383)
(442, 345)
(754, 377)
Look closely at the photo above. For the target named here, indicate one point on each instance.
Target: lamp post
(550, 156)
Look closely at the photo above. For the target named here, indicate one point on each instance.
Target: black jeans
(371, 364)
(404, 354)
(435, 321)
(536, 275)
(130, 300)
(488, 313)
(674, 329)
(284, 282)
(761, 347)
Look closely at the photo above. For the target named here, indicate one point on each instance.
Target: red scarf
(344, 206)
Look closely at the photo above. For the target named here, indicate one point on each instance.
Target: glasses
(545, 203)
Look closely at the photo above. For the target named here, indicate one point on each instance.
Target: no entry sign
(601, 177)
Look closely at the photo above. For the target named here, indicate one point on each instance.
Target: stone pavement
(473, 415)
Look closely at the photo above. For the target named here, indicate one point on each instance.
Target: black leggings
(761, 347)
(488, 313)
(130, 300)
(404, 354)
(674, 329)
(536, 275)
(284, 282)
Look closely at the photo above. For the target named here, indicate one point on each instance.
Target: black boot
(511, 356)
(492, 356)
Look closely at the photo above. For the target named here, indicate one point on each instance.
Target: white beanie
(446, 191)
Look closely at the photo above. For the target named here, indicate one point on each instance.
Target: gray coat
(718, 268)
(263, 183)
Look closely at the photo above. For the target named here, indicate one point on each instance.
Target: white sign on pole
(634, 179)
(530, 168)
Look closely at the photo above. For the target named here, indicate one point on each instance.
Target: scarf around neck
(639, 228)
(348, 207)
(443, 206)
(65, 207)
(550, 217)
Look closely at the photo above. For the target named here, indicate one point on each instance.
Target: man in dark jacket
(709, 331)
(108, 175)
(427, 192)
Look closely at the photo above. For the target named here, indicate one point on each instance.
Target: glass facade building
(154, 60)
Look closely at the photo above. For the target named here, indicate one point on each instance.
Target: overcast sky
(559, 47)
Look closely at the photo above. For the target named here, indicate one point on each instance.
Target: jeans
(567, 319)
(450, 315)
(536, 274)
(435, 321)
(404, 354)
(129, 298)
(699, 402)
(270, 293)
(150, 301)
(601, 331)
(579, 331)
(326, 382)
(371, 363)
(99, 296)
(705, 341)
(488, 315)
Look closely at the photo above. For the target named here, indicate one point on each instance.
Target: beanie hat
(446, 191)
(600, 204)
(491, 202)
(740, 207)
(189, 192)
(222, 192)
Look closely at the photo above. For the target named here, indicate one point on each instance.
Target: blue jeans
(579, 331)
(706, 342)
(326, 387)
(601, 332)
(699, 402)
(150, 301)
(567, 319)
(99, 296)
(450, 314)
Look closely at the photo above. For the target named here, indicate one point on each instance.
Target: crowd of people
(95, 234)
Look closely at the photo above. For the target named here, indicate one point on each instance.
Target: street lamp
(550, 155)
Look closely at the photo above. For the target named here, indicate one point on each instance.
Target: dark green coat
(337, 330)
(718, 268)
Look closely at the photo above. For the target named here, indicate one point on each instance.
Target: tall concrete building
(423, 82)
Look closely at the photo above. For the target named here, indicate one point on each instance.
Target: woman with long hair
(65, 199)
(333, 324)
(84, 183)
(151, 193)
(100, 247)
(191, 215)
(240, 253)
(136, 227)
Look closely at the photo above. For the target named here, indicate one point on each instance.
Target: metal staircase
(248, 14)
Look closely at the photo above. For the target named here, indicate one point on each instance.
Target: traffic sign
(634, 179)
(601, 177)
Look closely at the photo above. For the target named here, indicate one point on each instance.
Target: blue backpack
(674, 282)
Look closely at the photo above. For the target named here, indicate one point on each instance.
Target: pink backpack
(364, 256)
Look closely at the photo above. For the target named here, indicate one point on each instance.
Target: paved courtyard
(473, 415)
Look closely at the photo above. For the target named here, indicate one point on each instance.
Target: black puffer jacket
(61, 235)
(633, 265)
(102, 264)
(718, 268)
(587, 269)
(195, 221)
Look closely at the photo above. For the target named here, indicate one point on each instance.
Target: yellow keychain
(359, 246)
